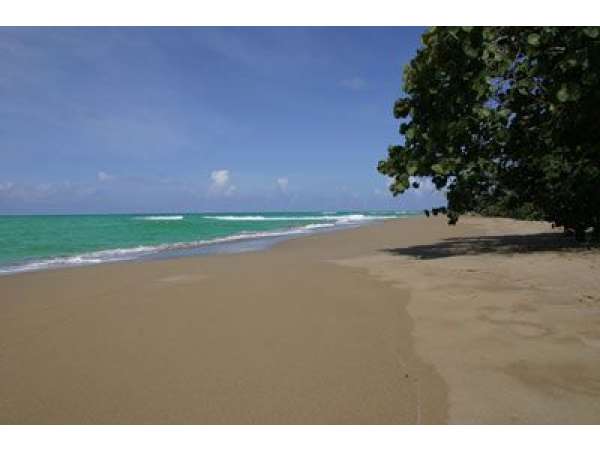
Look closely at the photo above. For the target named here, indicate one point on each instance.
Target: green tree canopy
(504, 119)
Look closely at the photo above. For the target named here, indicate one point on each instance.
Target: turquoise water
(38, 242)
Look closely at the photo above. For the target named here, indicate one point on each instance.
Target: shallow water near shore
(29, 243)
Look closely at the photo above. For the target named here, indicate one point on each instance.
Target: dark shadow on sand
(505, 244)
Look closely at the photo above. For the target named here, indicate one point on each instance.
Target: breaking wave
(340, 219)
(158, 218)
(125, 254)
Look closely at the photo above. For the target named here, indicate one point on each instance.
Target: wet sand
(407, 321)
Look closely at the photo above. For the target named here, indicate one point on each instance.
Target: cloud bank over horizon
(103, 194)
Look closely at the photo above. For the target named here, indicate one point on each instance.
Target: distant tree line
(506, 120)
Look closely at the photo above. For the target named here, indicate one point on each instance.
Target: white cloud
(6, 186)
(283, 183)
(221, 183)
(354, 83)
(220, 178)
(426, 186)
(44, 191)
(104, 177)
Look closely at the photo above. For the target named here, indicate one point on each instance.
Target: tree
(504, 119)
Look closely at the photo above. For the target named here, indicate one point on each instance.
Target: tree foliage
(504, 119)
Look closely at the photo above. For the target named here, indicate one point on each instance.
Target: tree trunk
(579, 234)
(596, 232)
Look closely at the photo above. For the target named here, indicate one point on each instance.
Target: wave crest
(125, 254)
(158, 218)
(340, 219)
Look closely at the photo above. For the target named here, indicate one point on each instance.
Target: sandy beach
(401, 322)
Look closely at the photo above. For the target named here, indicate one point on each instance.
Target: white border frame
(294, 13)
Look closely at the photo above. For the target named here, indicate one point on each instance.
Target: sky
(115, 120)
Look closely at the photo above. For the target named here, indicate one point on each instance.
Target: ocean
(39, 242)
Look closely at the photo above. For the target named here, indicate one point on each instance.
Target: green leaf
(437, 168)
(574, 91)
(589, 78)
(569, 92)
(400, 184)
(484, 113)
(401, 108)
(592, 32)
(469, 50)
(533, 39)
(410, 133)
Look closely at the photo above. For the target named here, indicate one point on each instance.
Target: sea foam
(340, 219)
(317, 223)
(125, 254)
(158, 218)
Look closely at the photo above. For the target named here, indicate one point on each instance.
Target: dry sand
(407, 321)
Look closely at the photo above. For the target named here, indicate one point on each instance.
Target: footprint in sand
(588, 299)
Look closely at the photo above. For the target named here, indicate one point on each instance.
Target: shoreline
(392, 322)
(189, 250)
(240, 242)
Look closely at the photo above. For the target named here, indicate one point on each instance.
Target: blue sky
(200, 119)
